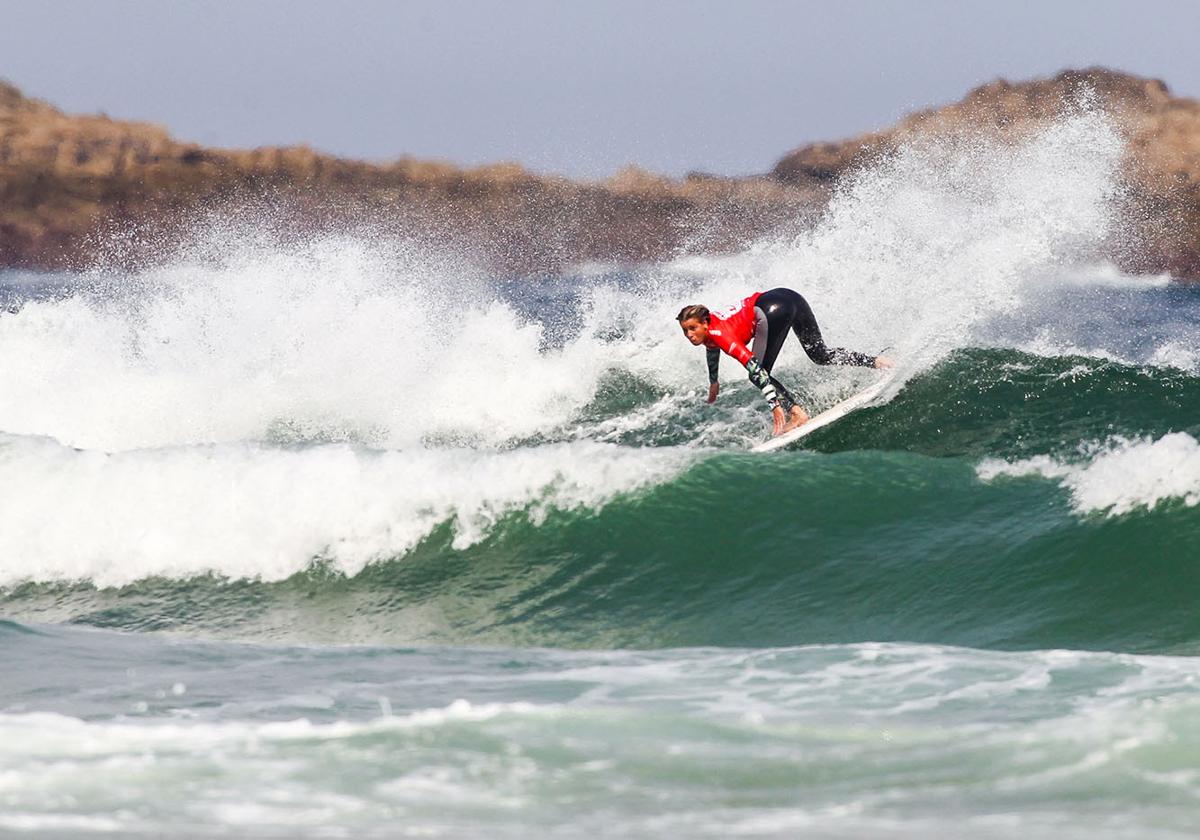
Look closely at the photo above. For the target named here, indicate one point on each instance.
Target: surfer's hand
(714, 388)
(884, 363)
(778, 420)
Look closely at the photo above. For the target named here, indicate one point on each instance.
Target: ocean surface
(345, 537)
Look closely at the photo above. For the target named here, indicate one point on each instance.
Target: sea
(345, 536)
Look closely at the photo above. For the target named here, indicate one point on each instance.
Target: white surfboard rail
(858, 400)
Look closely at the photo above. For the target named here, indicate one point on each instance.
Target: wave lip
(263, 513)
(1124, 476)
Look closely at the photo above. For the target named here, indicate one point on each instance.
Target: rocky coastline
(80, 190)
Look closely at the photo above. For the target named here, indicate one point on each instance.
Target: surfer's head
(694, 322)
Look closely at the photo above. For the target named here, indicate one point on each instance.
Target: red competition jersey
(733, 332)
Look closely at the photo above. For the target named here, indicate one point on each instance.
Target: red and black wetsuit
(764, 319)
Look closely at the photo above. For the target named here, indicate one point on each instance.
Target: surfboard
(861, 399)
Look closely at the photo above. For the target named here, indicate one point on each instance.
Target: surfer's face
(695, 330)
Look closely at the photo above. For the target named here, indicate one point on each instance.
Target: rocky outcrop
(77, 189)
(72, 186)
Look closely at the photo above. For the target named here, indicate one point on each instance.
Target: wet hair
(700, 313)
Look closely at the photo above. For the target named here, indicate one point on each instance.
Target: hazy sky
(573, 87)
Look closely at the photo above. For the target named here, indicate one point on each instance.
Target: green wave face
(883, 529)
(1004, 403)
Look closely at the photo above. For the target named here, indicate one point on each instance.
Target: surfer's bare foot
(797, 419)
(884, 363)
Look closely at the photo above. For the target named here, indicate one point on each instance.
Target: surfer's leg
(772, 319)
(770, 331)
(804, 324)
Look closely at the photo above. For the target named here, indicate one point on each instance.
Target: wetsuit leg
(769, 334)
(782, 305)
(773, 316)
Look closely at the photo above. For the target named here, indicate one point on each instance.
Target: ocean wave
(246, 511)
(731, 549)
(1120, 477)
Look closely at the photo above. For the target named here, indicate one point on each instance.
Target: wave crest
(1122, 476)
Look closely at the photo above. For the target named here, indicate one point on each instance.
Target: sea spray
(337, 338)
(918, 249)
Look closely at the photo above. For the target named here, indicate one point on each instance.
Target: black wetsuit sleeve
(714, 360)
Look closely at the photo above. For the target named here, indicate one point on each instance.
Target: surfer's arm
(713, 357)
(761, 379)
(759, 376)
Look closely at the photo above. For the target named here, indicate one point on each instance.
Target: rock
(71, 186)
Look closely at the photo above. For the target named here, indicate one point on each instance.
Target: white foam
(1108, 275)
(340, 337)
(68, 764)
(258, 512)
(1123, 476)
(1182, 355)
(49, 735)
(59, 822)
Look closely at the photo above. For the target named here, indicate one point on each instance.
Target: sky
(570, 87)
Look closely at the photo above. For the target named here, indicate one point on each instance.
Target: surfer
(765, 318)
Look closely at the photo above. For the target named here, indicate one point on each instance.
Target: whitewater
(344, 536)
